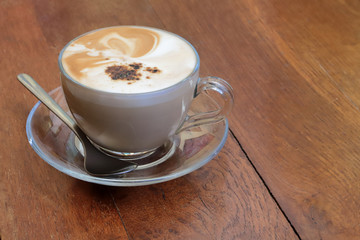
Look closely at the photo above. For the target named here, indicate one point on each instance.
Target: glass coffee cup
(131, 100)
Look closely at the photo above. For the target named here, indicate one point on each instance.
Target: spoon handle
(40, 93)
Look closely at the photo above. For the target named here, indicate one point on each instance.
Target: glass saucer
(54, 142)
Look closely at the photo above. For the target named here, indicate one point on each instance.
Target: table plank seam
(118, 212)
(263, 181)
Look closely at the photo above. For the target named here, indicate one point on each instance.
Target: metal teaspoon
(95, 162)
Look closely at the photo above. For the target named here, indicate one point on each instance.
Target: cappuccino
(129, 59)
(129, 88)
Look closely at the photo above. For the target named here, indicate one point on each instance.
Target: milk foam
(87, 58)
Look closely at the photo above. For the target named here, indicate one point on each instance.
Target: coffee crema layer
(129, 59)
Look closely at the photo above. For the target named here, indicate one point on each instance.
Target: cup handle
(205, 85)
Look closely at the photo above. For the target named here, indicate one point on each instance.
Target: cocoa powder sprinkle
(122, 72)
(129, 72)
(153, 70)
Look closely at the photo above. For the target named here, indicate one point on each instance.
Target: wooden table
(290, 168)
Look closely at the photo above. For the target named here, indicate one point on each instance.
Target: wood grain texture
(36, 201)
(225, 199)
(222, 200)
(295, 70)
